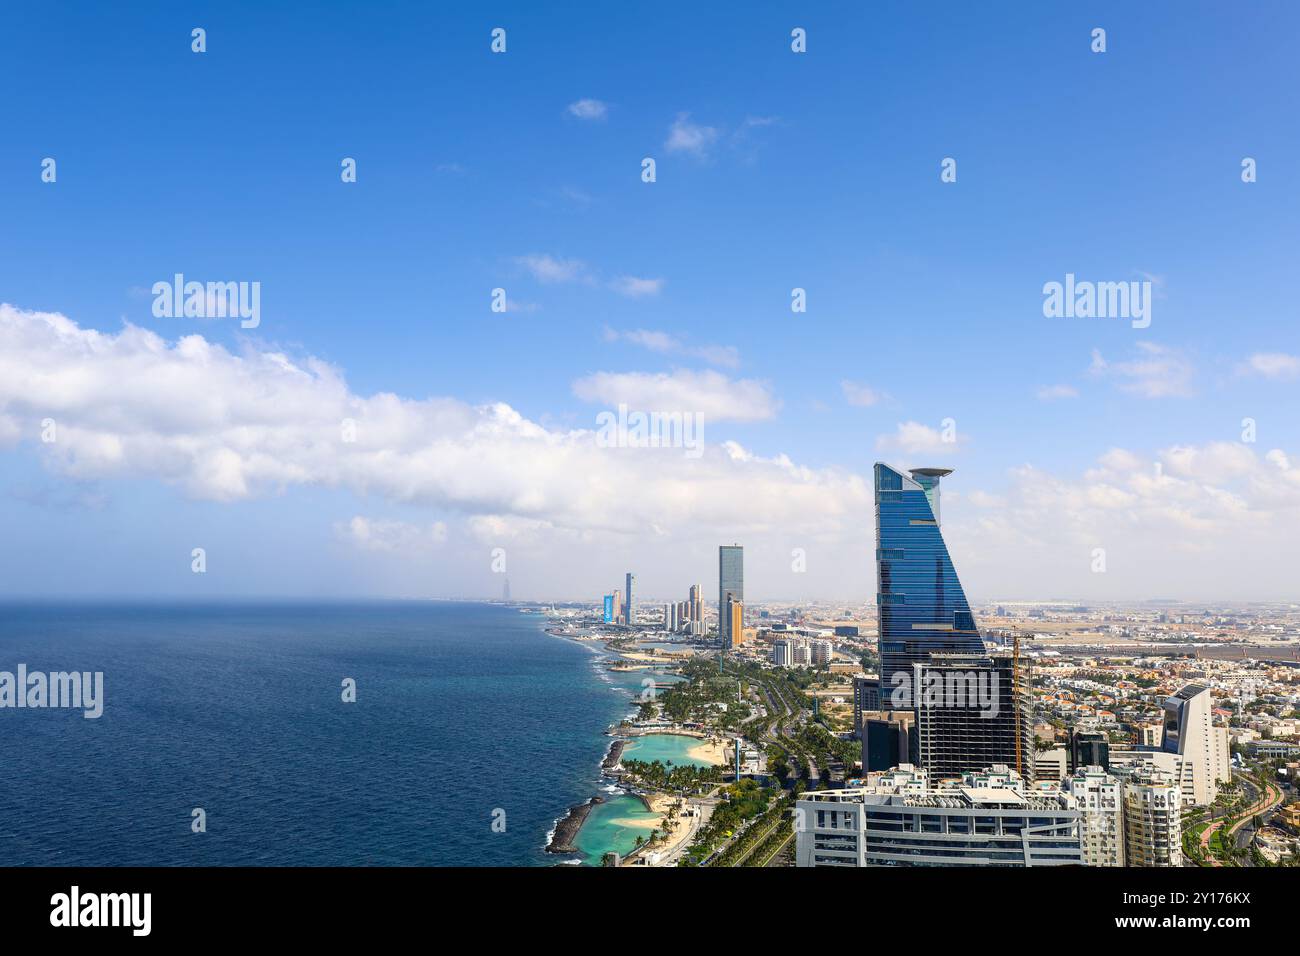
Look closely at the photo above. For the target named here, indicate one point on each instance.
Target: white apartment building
(1100, 800)
(899, 819)
(1153, 834)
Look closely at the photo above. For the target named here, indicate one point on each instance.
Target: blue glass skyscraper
(731, 585)
(923, 610)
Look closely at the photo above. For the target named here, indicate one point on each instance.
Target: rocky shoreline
(567, 829)
(614, 756)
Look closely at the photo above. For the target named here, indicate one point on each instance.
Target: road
(1271, 798)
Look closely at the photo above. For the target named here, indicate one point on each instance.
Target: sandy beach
(713, 751)
(658, 804)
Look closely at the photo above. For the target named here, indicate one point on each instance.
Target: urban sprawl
(922, 731)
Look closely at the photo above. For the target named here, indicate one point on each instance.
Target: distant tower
(735, 621)
(731, 584)
(631, 601)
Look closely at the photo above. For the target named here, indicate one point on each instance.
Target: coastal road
(1270, 798)
(778, 856)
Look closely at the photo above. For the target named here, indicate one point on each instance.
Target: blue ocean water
(462, 710)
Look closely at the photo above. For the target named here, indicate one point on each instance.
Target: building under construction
(973, 711)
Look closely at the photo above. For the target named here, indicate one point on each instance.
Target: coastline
(613, 755)
(709, 750)
(566, 828)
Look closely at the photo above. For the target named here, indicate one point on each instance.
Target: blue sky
(817, 170)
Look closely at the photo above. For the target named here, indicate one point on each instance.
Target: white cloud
(224, 426)
(1158, 372)
(708, 394)
(370, 534)
(917, 439)
(549, 269)
(1212, 521)
(856, 393)
(1271, 365)
(588, 109)
(633, 287)
(1050, 393)
(666, 343)
(1215, 520)
(687, 137)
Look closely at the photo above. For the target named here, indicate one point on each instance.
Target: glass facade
(731, 582)
(923, 609)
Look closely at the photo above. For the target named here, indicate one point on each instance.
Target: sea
(472, 731)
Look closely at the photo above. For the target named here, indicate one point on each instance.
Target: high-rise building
(821, 651)
(901, 819)
(1100, 800)
(618, 606)
(923, 609)
(670, 617)
(735, 621)
(1190, 733)
(1089, 750)
(1153, 833)
(631, 600)
(731, 583)
(866, 697)
(971, 712)
(608, 616)
(888, 739)
(783, 653)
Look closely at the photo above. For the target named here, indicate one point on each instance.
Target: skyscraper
(608, 616)
(923, 610)
(731, 583)
(735, 621)
(973, 712)
(631, 601)
(696, 615)
(1189, 731)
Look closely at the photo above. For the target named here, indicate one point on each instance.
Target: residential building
(1100, 800)
(902, 819)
